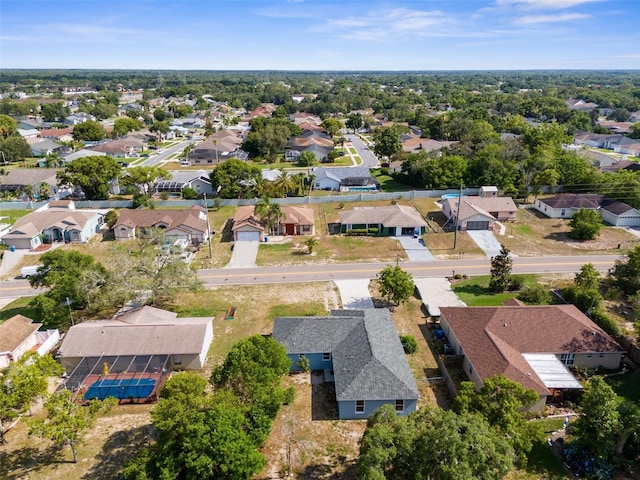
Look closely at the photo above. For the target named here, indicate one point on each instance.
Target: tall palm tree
(284, 184)
(269, 212)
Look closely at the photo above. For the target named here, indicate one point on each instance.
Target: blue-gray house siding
(362, 350)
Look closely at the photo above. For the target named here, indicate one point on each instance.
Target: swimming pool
(451, 195)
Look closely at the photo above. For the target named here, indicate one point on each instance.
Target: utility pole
(206, 209)
(455, 232)
(70, 314)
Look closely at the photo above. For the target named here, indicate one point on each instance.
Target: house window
(563, 212)
(470, 370)
(177, 359)
(306, 228)
(601, 355)
(301, 356)
(326, 357)
(589, 355)
(399, 405)
(567, 358)
(359, 406)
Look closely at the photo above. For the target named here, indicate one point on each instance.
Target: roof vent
(504, 324)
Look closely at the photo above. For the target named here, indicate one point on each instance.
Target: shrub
(409, 344)
(384, 171)
(189, 193)
(605, 322)
(536, 295)
(304, 364)
(373, 230)
(164, 195)
(140, 200)
(111, 218)
(516, 283)
(357, 231)
(289, 395)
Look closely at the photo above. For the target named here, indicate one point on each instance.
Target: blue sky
(321, 34)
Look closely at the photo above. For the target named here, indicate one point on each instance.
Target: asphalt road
(442, 268)
(368, 158)
(346, 271)
(163, 157)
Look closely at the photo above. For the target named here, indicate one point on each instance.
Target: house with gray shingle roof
(567, 204)
(180, 179)
(393, 220)
(361, 351)
(342, 178)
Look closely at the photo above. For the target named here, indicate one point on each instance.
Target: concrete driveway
(436, 293)
(244, 254)
(355, 294)
(368, 157)
(416, 250)
(487, 241)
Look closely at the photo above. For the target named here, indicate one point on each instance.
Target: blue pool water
(120, 389)
(450, 195)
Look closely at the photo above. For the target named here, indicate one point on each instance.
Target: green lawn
(543, 463)
(626, 386)
(390, 184)
(475, 291)
(13, 215)
(19, 307)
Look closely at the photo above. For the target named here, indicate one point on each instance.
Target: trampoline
(121, 389)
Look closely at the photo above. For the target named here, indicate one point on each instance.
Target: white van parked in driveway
(29, 271)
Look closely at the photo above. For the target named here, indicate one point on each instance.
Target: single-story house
(82, 153)
(412, 143)
(197, 180)
(248, 226)
(20, 179)
(46, 147)
(531, 345)
(344, 179)
(59, 134)
(19, 335)
(218, 148)
(393, 220)
(143, 331)
(565, 205)
(314, 141)
(60, 222)
(190, 224)
(79, 117)
(479, 213)
(358, 349)
(121, 148)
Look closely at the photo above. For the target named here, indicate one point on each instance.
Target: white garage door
(249, 236)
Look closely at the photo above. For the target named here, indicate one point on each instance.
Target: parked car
(29, 271)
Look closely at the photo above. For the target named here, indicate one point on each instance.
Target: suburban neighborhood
(315, 263)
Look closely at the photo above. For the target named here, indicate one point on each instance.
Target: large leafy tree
(354, 121)
(89, 131)
(93, 174)
(593, 435)
(387, 140)
(501, 266)
(626, 272)
(142, 179)
(73, 280)
(67, 421)
(21, 383)
(14, 148)
(501, 401)
(8, 126)
(124, 125)
(432, 443)
(585, 225)
(396, 285)
(235, 179)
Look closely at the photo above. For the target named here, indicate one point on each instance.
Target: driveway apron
(487, 241)
(416, 250)
(244, 254)
(354, 294)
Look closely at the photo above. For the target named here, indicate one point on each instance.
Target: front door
(290, 229)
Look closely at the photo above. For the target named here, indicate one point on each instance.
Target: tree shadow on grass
(21, 463)
(117, 451)
(226, 235)
(319, 471)
(473, 289)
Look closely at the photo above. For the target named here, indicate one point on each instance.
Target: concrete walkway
(244, 254)
(355, 294)
(416, 250)
(487, 241)
(436, 293)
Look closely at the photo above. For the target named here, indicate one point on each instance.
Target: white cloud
(543, 4)
(536, 19)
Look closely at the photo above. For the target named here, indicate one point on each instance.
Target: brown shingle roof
(193, 217)
(15, 331)
(390, 216)
(245, 215)
(494, 338)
